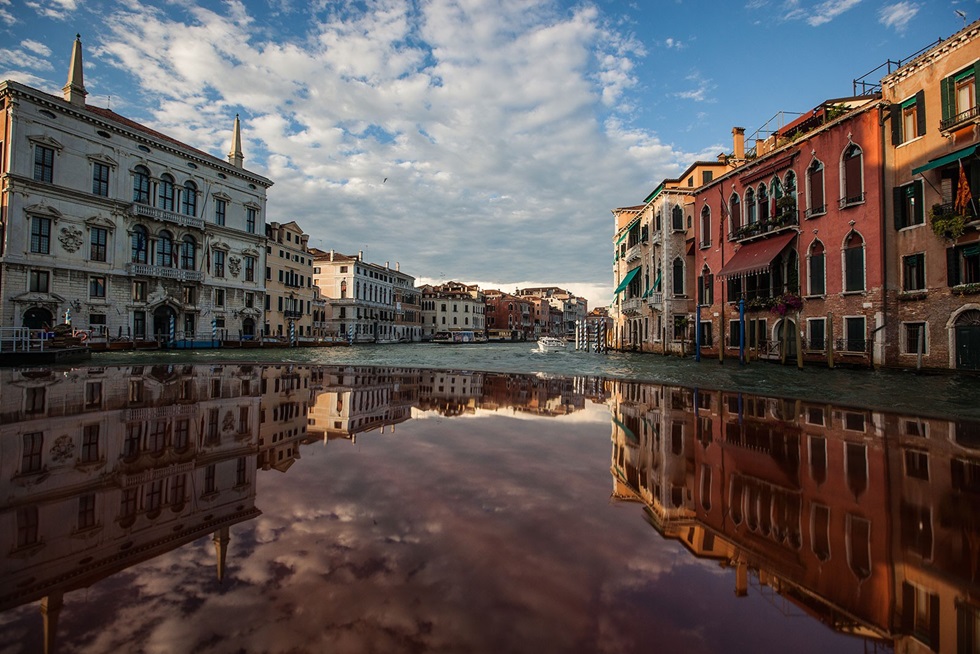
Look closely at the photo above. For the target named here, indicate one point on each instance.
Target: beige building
(290, 293)
(120, 229)
(366, 302)
(452, 307)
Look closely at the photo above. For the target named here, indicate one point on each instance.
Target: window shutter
(895, 112)
(817, 274)
(920, 210)
(952, 267)
(920, 113)
(946, 87)
(934, 622)
(898, 201)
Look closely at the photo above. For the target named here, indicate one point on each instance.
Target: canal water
(485, 499)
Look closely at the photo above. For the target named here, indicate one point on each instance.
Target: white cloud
(58, 9)
(898, 15)
(36, 47)
(829, 10)
(702, 87)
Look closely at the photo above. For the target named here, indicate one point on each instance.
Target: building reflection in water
(867, 521)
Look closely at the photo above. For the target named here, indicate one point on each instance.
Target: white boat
(550, 344)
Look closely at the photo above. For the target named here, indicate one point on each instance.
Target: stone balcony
(163, 272)
(146, 211)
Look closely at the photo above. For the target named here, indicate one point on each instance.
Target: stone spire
(235, 157)
(220, 539)
(74, 90)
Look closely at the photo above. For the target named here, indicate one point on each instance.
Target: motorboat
(550, 344)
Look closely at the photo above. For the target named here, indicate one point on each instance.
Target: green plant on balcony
(760, 303)
(946, 223)
(966, 289)
(785, 210)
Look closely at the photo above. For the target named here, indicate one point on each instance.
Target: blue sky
(506, 129)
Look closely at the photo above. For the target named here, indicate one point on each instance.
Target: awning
(626, 430)
(755, 257)
(626, 280)
(949, 158)
(626, 230)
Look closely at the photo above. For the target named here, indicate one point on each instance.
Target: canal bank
(939, 395)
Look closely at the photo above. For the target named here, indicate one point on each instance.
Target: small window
(220, 211)
(43, 163)
(914, 338)
(914, 272)
(96, 287)
(100, 179)
(909, 206)
(39, 281)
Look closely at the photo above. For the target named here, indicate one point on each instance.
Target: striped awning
(754, 258)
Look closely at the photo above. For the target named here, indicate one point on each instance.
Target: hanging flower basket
(786, 303)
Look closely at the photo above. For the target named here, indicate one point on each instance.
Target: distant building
(122, 229)
(452, 307)
(366, 302)
(289, 282)
(558, 311)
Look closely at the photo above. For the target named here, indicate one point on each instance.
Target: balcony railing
(787, 218)
(289, 314)
(962, 117)
(146, 270)
(632, 305)
(816, 211)
(655, 299)
(146, 211)
(851, 200)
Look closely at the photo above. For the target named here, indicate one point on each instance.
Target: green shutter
(895, 114)
(920, 113)
(952, 267)
(898, 208)
(946, 88)
(920, 204)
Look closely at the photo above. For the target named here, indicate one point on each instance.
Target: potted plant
(947, 223)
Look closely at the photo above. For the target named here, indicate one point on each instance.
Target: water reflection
(864, 520)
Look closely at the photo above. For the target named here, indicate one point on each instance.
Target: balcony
(952, 122)
(163, 272)
(786, 219)
(146, 211)
(852, 200)
(634, 252)
(292, 315)
(632, 306)
(655, 299)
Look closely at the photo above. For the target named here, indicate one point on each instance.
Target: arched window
(165, 249)
(343, 288)
(189, 199)
(141, 185)
(140, 244)
(852, 176)
(752, 217)
(660, 222)
(677, 217)
(706, 283)
(763, 202)
(853, 263)
(735, 212)
(815, 203)
(775, 194)
(816, 270)
(188, 253)
(705, 226)
(678, 274)
(165, 193)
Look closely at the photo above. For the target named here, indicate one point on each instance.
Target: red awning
(755, 257)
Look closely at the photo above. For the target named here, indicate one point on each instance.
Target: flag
(963, 197)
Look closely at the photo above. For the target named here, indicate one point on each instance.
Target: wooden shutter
(952, 267)
(934, 622)
(946, 89)
(898, 200)
(895, 112)
(920, 209)
(817, 274)
(908, 607)
(920, 113)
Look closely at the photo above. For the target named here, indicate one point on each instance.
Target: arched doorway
(967, 334)
(38, 318)
(248, 328)
(786, 335)
(163, 315)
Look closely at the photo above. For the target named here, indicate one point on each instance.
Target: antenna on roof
(961, 14)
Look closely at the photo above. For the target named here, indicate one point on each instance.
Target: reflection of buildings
(286, 396)
(102, 469)
(356, 399)
(863, 520)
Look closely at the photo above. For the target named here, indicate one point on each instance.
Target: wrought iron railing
(962, 117)
(851, 200)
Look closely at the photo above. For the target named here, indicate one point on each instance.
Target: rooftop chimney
(738, 142)
(331, 255)
(360, 255)
(398, 267)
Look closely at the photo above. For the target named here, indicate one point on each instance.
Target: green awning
(656, 284)
(949, 158)
(626, 230)
(626, 430)
(626, 280)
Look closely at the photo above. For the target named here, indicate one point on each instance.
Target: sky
(481, 141)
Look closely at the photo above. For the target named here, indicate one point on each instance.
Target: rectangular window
(963, 264)
(914, 338)
(917, 464)
(958, 97)
(98, 237)
(100, 179)
(908, 119)
(240, 477)
(96, 287)
(190, 295)
(855, 334)
(31, 456)
(139, 291)
(816, 334)
(914, 272)
(249, 269)
(27, 526)
(909, 206)
(220, 211)
(39, 281)
(86, 511)
(250, 215)
(90, 443)
(93, 394)
(249, 300)
(35, 399)
(43, 164)
(219, 297)
(219, 263)
(139, 324)
(209, 479)
(40, 235)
